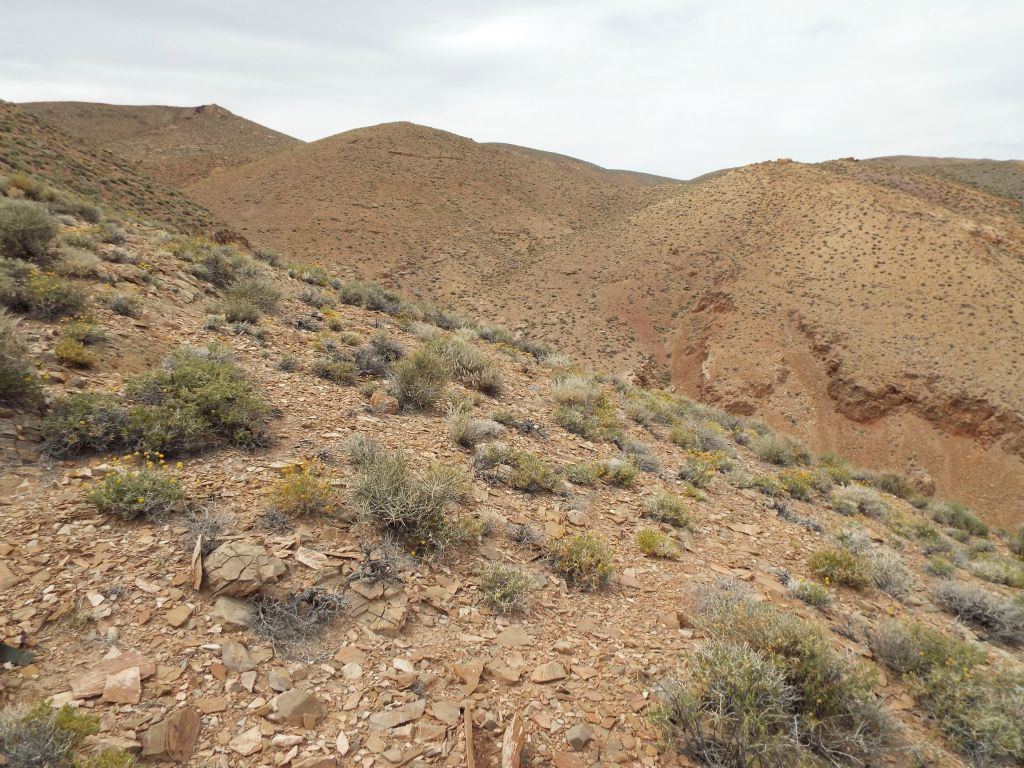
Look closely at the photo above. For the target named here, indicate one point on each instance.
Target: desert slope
(176, 145)
(32, 145)
(857, 303)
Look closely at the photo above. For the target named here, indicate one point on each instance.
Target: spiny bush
(998, 571)
(335, 368)
(303, 491)
(657, 544)
(125, 305)
(889, 573)
(653, 406)
(44, 737)
(143, 493)
(584, 561)
(84, 331)
(668, 508)
(1016, 542)
(732, 707)
(370, 296)
(294, 622)
(810, 592)
(376, 357)
(977, 708)
(363, 450)
(766, 484)
(1000, 618)
(584, 408)
(836, 565)
(780, 450)
(198, 399)
(640, 454)
(683, 436)
(419, 380)
(468, 365)
(219, 265)
(42, 295)
(316, 299)
(941, 567)
(76, 262)
(527, 472)
(256, 291)
(467, 431)
(26, 229)
(240, 311)
(416, 508)
(18, 382)
(618, 472)
(834, 713)
(854, 499)
(583, 474)
(959, 516)
(505, 588)
(700, 468)
(894, 484)
(837, 467)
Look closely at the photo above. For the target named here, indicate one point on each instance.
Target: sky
(677, 88)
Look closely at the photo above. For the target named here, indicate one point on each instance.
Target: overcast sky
(676, 88)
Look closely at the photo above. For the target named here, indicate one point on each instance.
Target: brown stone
(124, 687)
(247, 743)
(239, 569)
(174, 737)
(92, 683)
(548, 673)
(391, 718)
(299, 707)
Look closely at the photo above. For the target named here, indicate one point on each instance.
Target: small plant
(668, 508)
(416, 508)
(77, 262)
(144, 493)
(766, 484)
(657, 544)
(958, 516)
(73, 352)
(419, 380)
(894, 484)
(295, 622)
(858, 499)
(44, 295)
(584, 408)
(45, 737)
(780, 450)
(26, 229)
(619, 472)
(125, 305)
(583, 474)
(810, 592)
(914, 648)
(237, 310)
(836, 565)
(18, 382)
(505, 588)
(1001, 619)
(303, 491)
(467, 431)
(700, 468)
(527, 472)
(798, 483)
(336, 369)
(254, 291)
(376, 357)
(889, 573)
(584, 561)
(468, 365)
(316, 299)
(941, 567)
(289, 363)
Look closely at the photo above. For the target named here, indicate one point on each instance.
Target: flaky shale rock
(238, 569)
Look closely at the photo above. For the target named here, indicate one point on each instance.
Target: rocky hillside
(31, 145)
(174, 145)
(256, 514)
(870, 307)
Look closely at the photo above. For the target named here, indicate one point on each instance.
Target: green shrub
(618, 472)
(416, 508)
(26, 229)
(836, 565)
(144, 493)
(700, 468)
(780, 450)
(766, 484)
(125, 305)
(684, 437)
(76, 262)
(941, 567)
(584, 408)
(240, 311)
(303, 491)
(420, 380)
(505, 588)
(910, 647)
(468, 365)
(255, 291)
(833, 711)
(335, 368)
(959, 516)
(316, 299)
(72, 352)
(732, 707)
(18, 382)
(837, 467)
(998, 571)
(584, 561)
(855, 499)
(810, 592)
(1001, 619)
(656, 544)
(44, 737)
(668, 508)
(198, 399)
(44, 296)
(798, 483)
(583, 474)
(289, 363)
(219, 265)
(897, 485)
(377, 357)
(889, 573)
(467, 431)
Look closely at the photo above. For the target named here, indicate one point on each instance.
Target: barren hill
(859, 303)
(176, 145)
(1004, 178)
(32, 145)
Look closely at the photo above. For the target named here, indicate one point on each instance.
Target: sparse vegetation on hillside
(26, 229)
(142, 493)
(584, 561)
(19, 383)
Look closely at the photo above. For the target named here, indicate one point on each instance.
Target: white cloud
(665, 86)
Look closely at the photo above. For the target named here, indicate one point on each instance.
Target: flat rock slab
(93, 683)
(238, 569)
(124, 687)
(174, 737)
(392, 718)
